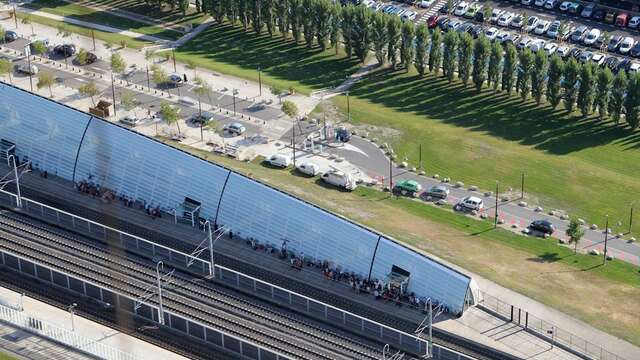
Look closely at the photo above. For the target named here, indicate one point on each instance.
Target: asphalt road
(370, 159)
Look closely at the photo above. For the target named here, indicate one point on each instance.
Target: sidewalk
(32, 346)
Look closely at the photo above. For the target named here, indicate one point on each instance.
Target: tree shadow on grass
(547, 257)
(497, 114)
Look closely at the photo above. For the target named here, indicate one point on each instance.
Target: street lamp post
(495, 220)
(148, 79)
(348, 108)
(113, 95)
(30, 74)
(93, 38)
(234, 102)
(12, 158)
(71, 309)
(173, 55)
(606, 239)
(15, 15)
(522, 186)
(160, 308)
(260, 80)
(630, 218)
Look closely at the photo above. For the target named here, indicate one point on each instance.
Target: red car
(432, 21)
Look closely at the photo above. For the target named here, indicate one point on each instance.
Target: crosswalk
(432, 11)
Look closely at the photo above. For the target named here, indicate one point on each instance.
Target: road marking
(80, 79)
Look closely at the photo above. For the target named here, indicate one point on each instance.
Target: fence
(61, 335)
(546, 330)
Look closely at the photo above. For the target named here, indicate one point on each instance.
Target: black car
(614, 43)
(635, 50)
(598, 14)
(543, 226)
(575, 52)
(464, 27)
(612, 63)
(475, 31)
(624, 64)
(479, 17)
(91, 58)
(444, 9)
(443, 23)
(65, 50)
(10, 36)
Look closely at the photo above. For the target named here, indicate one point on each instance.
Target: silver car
(437, 191)
(235, 128)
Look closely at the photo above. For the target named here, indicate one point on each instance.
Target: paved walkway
(476, 324)
(29, 346)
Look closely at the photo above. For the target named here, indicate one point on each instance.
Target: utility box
(101, 110)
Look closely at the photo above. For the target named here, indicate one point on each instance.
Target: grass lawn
(4, 356)
(586, 167)
(83, 13)
(535, 267)
(102, 35)
(231, 51)
(164, 14)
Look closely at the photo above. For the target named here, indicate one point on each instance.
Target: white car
(531, 24)
(550, 48)
(495, 15)
(626, 45)
(634, 22)
(130, 120)
(565, 5)
(461, 8)
(542, 27)
(598, 59)
(502, 36)
(505, 19)
(526, 2)
(308, 168)
(339, 179)
(551, 4)
(409, 15)
(26, 69)
(279, 160)
(563, 51)
(537, 45)
(592, 36)
(539, 3)
(471, 203)
(426, 3)
(517, 21)
(634, 68)
(491, 33)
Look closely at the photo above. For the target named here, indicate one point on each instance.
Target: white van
(339, 179)
(308, 168)
(279, 160)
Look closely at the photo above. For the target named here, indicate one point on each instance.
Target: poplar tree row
(359, 30)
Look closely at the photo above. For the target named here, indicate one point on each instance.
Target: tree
(465, 51)
(554, 77)
(256, 16)
(495, 61)
(604, 84)
(574, 232)
(81, 57)
(322, 22)
(117, 63)
(128, 100)
(295, 18)
(108, 45)
(361, 33)
(158, 75)
(480, 58)
(124, 44)
(308, 28)
(379, 37)
(450, 47)
(334, 35)
(523, 83)
(570, 80)
(450, 5)
(89, 89)
(561, 30)
(406, 44)
(3, 33)
(63, 31)
(585, 89)
(422, 37)
(487, 11)
(241, 9)
(282, 17)
(191, 65)
(393, 36)
(169, 114)
(509, 68)
(216, 7)
(39, 47)
(5, 68)
(632, 101)
(538, 74)
(290, 109)
(202, 89)
(27, 21)
(46, 79)
(619, 87)
(525, 20)
(435, 51)
(268, 11)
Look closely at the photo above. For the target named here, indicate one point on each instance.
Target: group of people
(95, 191)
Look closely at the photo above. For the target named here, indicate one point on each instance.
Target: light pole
(30, 72)
(522, 187)
(93, 38)
(260, 80)
(15, 173)
(495, 220)
(160, 309)
(113, 95)
(630, 218)
(234, 101)
(606, 239)
(348, 108)
(293, 141)
(173, 55)
(71, 309)
(148, 79)
(15, 15)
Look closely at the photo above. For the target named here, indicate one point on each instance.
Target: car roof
(473, 198)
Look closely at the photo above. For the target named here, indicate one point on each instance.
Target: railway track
(240, 316)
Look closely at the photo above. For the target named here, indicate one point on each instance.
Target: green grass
(586, 167)
(101, 35)
(83, 13)
(231, 51)
(4, 356)
(164, 14)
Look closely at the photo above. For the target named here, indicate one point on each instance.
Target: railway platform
(476, 324)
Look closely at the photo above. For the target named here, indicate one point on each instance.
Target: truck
(407, 188)
(339, 179)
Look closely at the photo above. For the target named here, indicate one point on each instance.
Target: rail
(546, 330)
(62, 336)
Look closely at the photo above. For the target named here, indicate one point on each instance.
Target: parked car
(543, 226)
(531, 24)
(201, 119)
(339, 179)
(65, 50)
(634, 68)
(516, 22)
(426, 3)
(464, 27)
(511, 39)
(409, 16)
(612, 63)
(436, 191)
(564, 52)
(575, 8)
(625, 46)
(279, 160)
(539, 3)
(550, 48)
(308, 168)
(175, 80)
(542, 27)
(591, 37)
(471, 11)
(565, 6)
(598, 59)
(614, 43)
(407, 188)
(585, 56)
(461, 8)
(432, 21)
(634, 22)
(454, 24)
(10, 36)
(526, 2)
(502, 36)
(635, 50)
(443, 23)
(479, 17)
(343, 134)
(505, 19)
(491, 33)
(475, 31)
(610, 18)
(624, 64)
(131, 120)
(471, 203)
(576, 53)
(579, 34)
(536, 45)
(26, 69)
(551, 4)
(622, 19)
(588, 10)
(235, 128)
(598, 14)
(495, 15)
